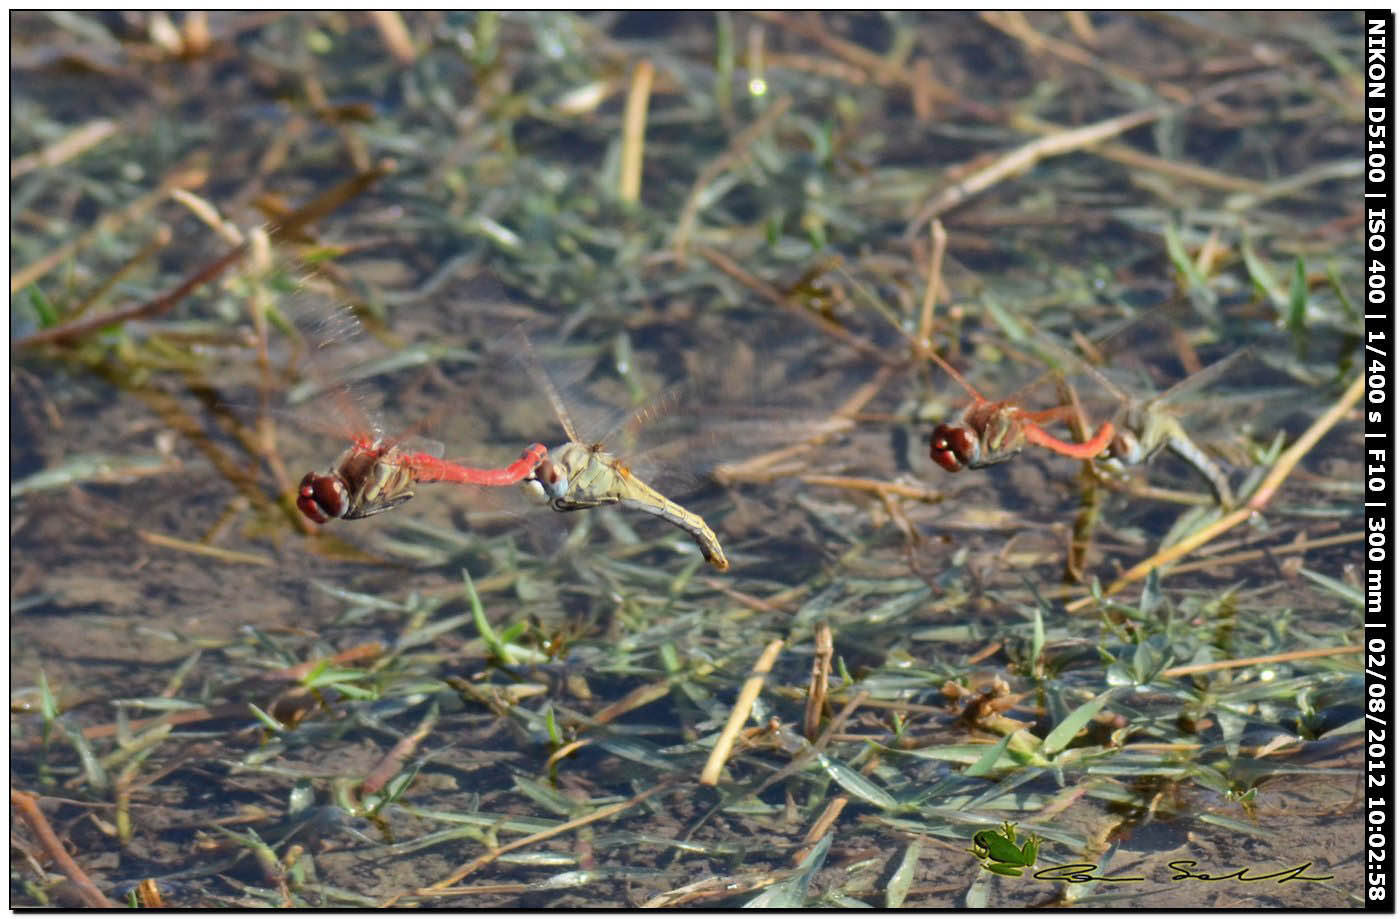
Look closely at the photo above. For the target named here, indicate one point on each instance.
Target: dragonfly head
(1126, 448)
(321, 497)
(547, 483)
(953, 447)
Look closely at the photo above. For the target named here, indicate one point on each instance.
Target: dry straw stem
(159, 240)
(634, 125)
(935, 279)
(1019, 27)
(1292, 549)
(187, 175)
(742, 706)
(1127, 156)
(28, 808)
(760, 468)
(1261, 497)
(714, 887)
(444, 887)
(293, 224)
(223, 555)
(74, 143)
(685, 225)
(816, 687)
(1239, 662)
(875, 486)
(392, 762)
(1027, 155)
(395, 35)
(883, 71)
(642, 695)
(823, 823)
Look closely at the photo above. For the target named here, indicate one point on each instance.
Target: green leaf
(857, 784)
(493, 642)
(1262, 276)
(325, 674)
(1345, 591)
(1074, 722)
(1037, 642)
(48, 703)
(1196, 285)
(269, 722)
(1298, 302)
(44, 311)
(989, 760)
(96, 776)
(903, 876)
(792, 893)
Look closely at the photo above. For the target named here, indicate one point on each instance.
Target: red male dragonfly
(375, 475)
(990, 432)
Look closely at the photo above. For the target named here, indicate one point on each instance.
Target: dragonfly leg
(564, 505)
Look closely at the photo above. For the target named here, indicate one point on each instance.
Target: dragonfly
(375, 474)
(988, 432)
(578, 476)
(1146, 426)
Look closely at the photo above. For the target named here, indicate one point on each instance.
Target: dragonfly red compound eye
(321, 497)
(951, 447)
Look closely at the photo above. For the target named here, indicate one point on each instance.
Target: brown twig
(186, 175)
(883, 71)
(685, 224)
(833, 810)
(1288, 549)
(444, 886)
(393, 761)
(28, 807)
(874, 486)
(291, 226)
(817, 685)
(778, 298)
(755, 467)
(229, 556)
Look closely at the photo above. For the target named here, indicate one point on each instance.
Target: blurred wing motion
(987, 432)
(576, 477)
(1145, 426)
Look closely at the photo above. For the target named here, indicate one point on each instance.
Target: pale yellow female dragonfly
(576, 476)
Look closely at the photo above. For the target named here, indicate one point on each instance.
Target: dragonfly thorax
(984, 435)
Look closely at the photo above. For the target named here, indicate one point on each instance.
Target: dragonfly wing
(422, 445)
(1206, 376)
